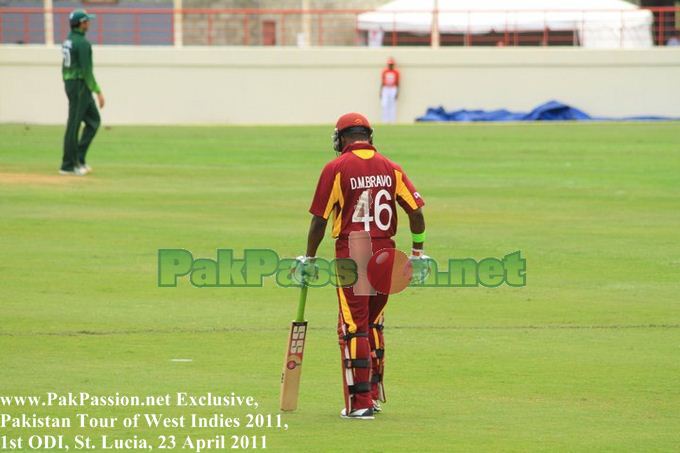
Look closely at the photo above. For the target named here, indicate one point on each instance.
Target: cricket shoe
(85, 169)
(77, 171)
(358, 414)
(377, 407)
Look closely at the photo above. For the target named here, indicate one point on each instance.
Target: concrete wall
(296, 86)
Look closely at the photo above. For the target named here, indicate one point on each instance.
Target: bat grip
(301, 305)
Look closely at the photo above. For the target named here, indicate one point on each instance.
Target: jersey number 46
(362, 211)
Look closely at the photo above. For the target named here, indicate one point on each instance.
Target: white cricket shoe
(358, 414)
(77, 171)
(85, 169)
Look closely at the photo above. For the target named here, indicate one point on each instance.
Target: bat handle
(301, 305)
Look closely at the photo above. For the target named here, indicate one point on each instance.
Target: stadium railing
(274, 27)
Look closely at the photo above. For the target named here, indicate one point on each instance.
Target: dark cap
(78, 16)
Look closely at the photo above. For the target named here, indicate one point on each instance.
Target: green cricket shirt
(77, 64)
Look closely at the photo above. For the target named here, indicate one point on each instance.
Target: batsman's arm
(317, 230)
(416, 221)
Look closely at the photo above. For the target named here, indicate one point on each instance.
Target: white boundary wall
(155, 85)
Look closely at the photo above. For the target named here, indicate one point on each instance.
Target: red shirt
(390, 78)
(360, 188)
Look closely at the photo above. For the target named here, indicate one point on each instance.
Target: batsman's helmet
(350, 121)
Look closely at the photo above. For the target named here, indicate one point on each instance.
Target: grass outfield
(586, 357)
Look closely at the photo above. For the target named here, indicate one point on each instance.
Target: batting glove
(305, 269)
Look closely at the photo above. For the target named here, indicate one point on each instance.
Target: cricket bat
(292, 363)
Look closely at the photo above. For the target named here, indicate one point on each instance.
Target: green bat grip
(301, 305)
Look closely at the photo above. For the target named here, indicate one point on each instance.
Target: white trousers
(388, 102)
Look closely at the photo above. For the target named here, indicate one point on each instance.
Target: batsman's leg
(355, 350)
(377, 360)
(376, 317)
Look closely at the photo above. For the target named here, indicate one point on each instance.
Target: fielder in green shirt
(79, 83)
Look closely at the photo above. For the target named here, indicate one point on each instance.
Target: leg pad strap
(359, 387)
(357, 363)
(376, 326)
(349, 336)
(376, 378)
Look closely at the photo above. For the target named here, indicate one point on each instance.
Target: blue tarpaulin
(550, 111)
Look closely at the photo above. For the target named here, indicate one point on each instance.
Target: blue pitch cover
(549, 111)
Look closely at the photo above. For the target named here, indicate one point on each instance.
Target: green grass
(586, 357)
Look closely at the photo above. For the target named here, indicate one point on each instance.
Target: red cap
(390, 60)
(352, 120)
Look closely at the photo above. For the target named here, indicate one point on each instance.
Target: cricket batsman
(361, 188)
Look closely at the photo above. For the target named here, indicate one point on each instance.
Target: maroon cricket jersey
(360, 188)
